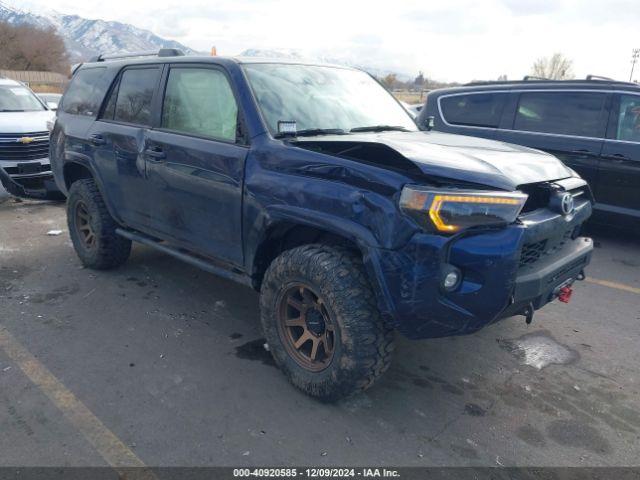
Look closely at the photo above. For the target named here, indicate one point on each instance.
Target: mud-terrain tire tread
(112, 249)
(367, 343)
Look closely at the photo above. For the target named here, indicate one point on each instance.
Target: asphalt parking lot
(161, 364)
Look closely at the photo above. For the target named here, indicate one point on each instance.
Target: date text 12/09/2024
(315, 472)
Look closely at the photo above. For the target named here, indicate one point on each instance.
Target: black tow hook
(528, 313)
(581, 276)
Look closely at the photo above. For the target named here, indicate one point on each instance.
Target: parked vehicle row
(349, 221)
(592, 125)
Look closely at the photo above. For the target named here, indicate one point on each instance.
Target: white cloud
(449, 40)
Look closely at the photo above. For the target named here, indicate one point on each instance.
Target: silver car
(24, 142)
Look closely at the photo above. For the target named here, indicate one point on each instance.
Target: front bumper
(496, 283)
(30, 179)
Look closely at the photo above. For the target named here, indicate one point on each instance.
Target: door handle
(618, 157)
(97, 139)
(585, 152)
(155, 154)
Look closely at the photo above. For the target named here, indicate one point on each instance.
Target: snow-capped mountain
(85, 37)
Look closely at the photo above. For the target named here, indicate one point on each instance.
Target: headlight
(450, 211)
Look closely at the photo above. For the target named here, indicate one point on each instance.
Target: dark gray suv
(592, 125)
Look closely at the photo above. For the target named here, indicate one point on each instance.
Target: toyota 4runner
(313, 185)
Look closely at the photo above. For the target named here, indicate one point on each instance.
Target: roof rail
(163, 52)
(527, 78)
(599, 77)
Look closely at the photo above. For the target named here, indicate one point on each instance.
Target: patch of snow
(539, 351)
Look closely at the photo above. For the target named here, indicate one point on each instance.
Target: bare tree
(390, 80)
(556, 67)
(25, 47)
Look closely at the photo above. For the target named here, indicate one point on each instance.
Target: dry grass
(46, 88)
(410, 97)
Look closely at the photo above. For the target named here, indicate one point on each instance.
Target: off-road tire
(110, 249)
(365, 345)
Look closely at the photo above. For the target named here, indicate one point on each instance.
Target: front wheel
(320, 319)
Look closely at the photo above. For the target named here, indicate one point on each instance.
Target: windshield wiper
(11, 110)
(380, 128)
(310, 132)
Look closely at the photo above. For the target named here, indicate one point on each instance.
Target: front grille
(544, 198)
(19, 147)
(540, 194)
(538, 197)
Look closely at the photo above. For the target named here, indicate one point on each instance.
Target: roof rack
(528, 78)
(163, 52)
(599, 77)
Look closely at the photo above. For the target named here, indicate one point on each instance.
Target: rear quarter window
(130, 98)
(474, 110)
(85, 93)
(564, 113)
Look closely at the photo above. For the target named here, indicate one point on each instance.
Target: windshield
(324, 98)
(15, 98)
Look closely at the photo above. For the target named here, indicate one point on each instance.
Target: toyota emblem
(566, 203)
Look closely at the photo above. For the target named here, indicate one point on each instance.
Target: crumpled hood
(459, 157)
(25, 122)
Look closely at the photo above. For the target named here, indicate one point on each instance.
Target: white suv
(24, 142)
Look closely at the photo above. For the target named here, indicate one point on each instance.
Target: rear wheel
(320, 319)
(93, 230)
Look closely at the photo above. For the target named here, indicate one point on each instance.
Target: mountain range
(85, 38)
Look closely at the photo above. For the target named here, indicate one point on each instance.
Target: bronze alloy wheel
(306, 328)
(83, 226)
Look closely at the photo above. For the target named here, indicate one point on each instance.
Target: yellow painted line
(110, 447)
(616, 285)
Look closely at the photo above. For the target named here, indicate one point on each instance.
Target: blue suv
(313, 185)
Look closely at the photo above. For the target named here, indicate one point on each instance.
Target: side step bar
(186, 257)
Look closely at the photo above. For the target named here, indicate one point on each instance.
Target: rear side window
(85, 93)
(475, 110)
(565, 113)
(130, 99)
(629, 118)
(200, 102)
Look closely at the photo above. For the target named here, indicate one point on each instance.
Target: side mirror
(429, 122)
(52, 106)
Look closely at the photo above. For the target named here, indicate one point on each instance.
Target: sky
(456, 40)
